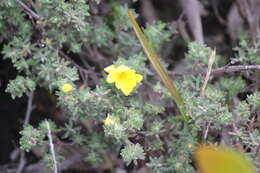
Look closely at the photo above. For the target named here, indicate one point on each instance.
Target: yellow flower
(108, 121)
(124, 78)
(220, 159)
(66, 88)
(189, 145)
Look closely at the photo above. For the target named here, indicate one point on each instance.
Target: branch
(192, 12)
(29, 11)
(22, 161)
(73, 62)
(52, 148)
(29, 108)
(81, 69)
(235, 68)
(71, 161)
(226, 69)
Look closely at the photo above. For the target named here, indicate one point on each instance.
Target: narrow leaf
(154, 59)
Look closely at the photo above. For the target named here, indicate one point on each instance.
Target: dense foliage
(71, 42)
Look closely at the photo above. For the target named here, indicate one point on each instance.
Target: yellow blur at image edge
(221, 159)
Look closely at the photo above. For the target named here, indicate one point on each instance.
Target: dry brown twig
(225, 69)
(210, 63)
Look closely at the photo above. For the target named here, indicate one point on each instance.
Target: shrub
(65, 46)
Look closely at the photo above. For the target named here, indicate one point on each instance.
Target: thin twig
(67, 163)
(253, 139)
(29, 109)
(22, 162)
(210, 63)
(52, 148)
(29, 11)
(81, 69)
(83, 72)
(235, 68)
(73, 62)
(206, 132)
(226, 69)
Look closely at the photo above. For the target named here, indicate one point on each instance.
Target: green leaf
(154, 59)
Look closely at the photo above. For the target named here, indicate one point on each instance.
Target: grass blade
(154, 59)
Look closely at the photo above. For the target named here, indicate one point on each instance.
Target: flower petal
(119, 84)
(123, 68)
(220, 159)
(127, 90)
(110, 69)
(124, 77)
(125, 86)
(111, 78)
(138, 78)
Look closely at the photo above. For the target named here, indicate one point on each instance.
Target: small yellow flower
(124, 78)
(66, 88)
(189, 145)
(108, 121)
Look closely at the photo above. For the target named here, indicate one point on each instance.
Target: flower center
(122, 75)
